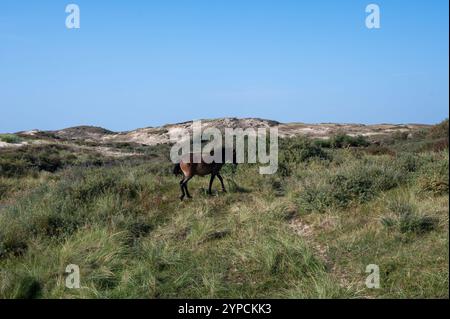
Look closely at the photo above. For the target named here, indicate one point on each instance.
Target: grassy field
(308, 231)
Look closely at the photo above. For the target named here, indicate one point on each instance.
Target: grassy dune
(307, 232)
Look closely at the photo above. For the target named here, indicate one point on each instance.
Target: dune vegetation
(309, 231)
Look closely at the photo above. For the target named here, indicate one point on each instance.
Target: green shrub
(94, 183)
(285, 169)
(11, 246)
(14, 167)
(436, 145)
(278, 187)
(31, 159)
(435, 185)
(407, 162)
(28, 288)
(401, 207)
(294, 151)
(433, 176)
(10, 138)
(400, 136)
(315, 197)
(53, 225)
(343, 140)
(4, 189)
(346, 189)
(362, 183)
(350, 185)
(324, 143)
(379, 150)
(297, 150)
(439, 130)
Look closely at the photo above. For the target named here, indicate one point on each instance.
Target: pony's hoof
(181, 198)
(224, 190)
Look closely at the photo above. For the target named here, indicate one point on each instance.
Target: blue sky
(147, 63)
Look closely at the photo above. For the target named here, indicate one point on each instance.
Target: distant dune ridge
(161, 135)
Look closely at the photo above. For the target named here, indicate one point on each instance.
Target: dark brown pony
(196, 166)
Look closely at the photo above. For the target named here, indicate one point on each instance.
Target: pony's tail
(176, 169)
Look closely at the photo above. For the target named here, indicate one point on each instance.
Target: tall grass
(306, 232)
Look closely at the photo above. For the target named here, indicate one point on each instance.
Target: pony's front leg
(187, 179)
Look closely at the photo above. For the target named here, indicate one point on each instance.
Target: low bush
(440, 130)
(31, 159)
(404, 218)
(433, 178)
(379, 150)
(29, 288)
(294, 151)
(400, 136)
(297, 150)
(10, 138)
(344, 140)
(356, 184)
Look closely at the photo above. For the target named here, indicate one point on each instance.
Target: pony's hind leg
(210, 183)
(221, 182)
(182, 189)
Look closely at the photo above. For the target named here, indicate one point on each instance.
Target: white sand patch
(4, 144)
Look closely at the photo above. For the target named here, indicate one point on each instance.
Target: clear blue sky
(146, 63)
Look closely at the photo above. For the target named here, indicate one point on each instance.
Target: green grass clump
(405, 219)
